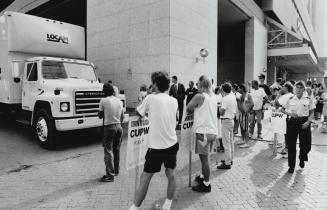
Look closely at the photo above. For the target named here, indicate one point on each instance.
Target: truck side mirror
(15, 72)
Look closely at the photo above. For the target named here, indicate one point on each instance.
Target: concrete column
(255, 49)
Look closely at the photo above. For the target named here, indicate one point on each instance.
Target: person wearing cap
(299, 110)
(111, 111)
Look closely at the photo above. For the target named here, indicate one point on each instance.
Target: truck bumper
(77, 123)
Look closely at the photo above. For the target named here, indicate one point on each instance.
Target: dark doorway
(231, 53)
(69, 11)
(231, 42)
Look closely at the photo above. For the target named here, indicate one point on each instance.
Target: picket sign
(275, 121)
(187, 135)
(137, 145)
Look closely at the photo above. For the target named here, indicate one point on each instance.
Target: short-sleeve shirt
(300, 107)
(284, 98)
(162, 110)
(257, 97)
(112, 108)
(229, 103)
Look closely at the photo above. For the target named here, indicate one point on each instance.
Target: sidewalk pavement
(257, 180)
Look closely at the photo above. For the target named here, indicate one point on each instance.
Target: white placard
(278, 122)
(137, 145)
(187, 134)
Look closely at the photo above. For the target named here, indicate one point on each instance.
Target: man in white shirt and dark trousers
(228, 111)
(205, 126)
(111, 109)
(299, 109)
(259, 96)
(162, 139)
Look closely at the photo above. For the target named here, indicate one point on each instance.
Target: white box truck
(44, 79)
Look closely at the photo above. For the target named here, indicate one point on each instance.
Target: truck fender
(39, 105)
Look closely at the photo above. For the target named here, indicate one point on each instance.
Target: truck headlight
(64, 106)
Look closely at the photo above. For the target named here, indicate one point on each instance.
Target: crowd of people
(219, 113)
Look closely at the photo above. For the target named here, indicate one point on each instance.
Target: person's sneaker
(259, 137)
(223, 161)
(159, 207)
(106, 178)
(198, 179)
(290, 170)
(202, 188)
(244, 146)
(301, 164)
(224, 166)
(271, 143)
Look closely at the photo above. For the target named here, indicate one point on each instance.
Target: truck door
(30, 86)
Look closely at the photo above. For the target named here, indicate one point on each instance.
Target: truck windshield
(64, 70)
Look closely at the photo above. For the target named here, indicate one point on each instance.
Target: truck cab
(44, 77)
(58, 94)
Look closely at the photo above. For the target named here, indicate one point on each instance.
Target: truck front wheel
(44, 129)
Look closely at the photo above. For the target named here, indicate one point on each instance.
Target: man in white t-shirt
(161, 109)
(228, 110)
(259, 96)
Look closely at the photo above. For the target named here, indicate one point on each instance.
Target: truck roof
(59, 59)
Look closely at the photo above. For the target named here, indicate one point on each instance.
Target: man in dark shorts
(162, 139)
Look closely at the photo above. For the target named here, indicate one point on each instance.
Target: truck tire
(44, 129)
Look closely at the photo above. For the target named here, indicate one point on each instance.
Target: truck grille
(87, 102)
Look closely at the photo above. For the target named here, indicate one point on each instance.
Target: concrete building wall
(24, 5)
(250, 8)
(193, 26)
(128, 39)
(320, 19)
(255, 49)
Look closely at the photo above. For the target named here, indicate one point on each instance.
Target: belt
(299, 118)
(225, 119)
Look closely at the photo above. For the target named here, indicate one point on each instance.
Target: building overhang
(297, 59)
(290, 50)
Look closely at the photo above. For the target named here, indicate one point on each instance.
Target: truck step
(25, 122)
